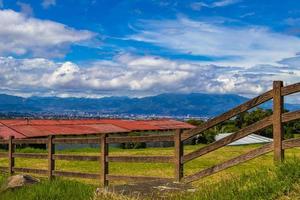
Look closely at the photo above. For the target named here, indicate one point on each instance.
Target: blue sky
(90, 48)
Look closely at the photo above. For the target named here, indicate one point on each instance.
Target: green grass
(278, 183)
(58, 189)
(244, 175)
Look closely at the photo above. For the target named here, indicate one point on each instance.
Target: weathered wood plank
(277, 121)
(264, 123)
(229, 114)
(178, 153)
(30, 141)
(76, 174)
(232, 162)
(11, 159)
(75, 157)
(4, 169)
(103, 161)
(3, 141)
(290, 89)
(51, 152)
(133, 178)
(30, 170)
(141, 159)
(290, 143)
(290, 116)
(4, 155)
(30, 155)
(149, 138)
(90, 140)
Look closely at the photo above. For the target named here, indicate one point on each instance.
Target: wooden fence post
(11, 159)
(278, 133)
(178, 145)
(51, 161)
(103, 159)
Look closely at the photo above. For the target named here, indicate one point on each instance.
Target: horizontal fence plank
(290, 116)
(149, 138)
(264, 123)
(230, 163)
(290, 89)
(30, 155)
(133, 178)
(3, 141)
(229, 114)
(290, 143)
(76, 174)
(142, 159)
(92, 140)
(3, 155)
(3, 169)
(30, 141)
(30, 170)
(75, 157)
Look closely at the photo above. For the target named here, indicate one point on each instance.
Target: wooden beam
(277, 121)
(76, 174)
(141, 159)
(51, 152)
(229, 114)
(30, 155)
(75, 157)
(11, 159)
(133, 178)
(149, 138)
(178, 147)
(103, 160)
(264, 123)
(232, 162)
(290, 89)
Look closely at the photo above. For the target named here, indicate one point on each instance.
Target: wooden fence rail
(179, 158)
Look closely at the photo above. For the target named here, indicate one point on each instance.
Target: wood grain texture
(75, 174)
(229, 114)
(290, 89)
(30, 170)
(30, 141)
(264, 123)
(11, 159)
(75, 157)
(30, 155)
(141, 159)
(88, 140)
(232, 162)
(149, 138)
(103, 160)
(178, 153)
(277, 121)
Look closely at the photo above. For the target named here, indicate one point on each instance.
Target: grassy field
(262, 166)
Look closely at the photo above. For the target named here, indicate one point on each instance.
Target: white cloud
(233, 46)
(223, 3)
(135, 76)
(26, 9)
(48, 3)
(21, 35)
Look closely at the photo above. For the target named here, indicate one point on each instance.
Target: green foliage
(134, 145)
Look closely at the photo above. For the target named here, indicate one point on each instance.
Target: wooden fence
(179, 158)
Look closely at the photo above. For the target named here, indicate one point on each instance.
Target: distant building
(250, 139)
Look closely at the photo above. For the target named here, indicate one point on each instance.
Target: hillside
(194, 104)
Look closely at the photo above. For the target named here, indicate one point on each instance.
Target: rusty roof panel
(21, 128)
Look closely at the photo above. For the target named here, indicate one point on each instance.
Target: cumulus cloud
(135, 76)
(26, 8)
(228, 45)
(23, 35)
(48, 3)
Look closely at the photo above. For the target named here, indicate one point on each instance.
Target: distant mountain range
(194, 104)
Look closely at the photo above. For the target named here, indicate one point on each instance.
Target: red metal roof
(22, 128)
